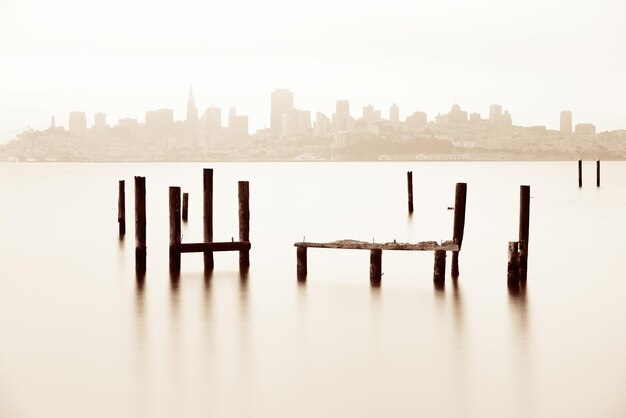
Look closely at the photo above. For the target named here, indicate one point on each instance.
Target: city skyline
(536, 57)
(282, 99)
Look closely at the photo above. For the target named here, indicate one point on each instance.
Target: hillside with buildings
(295, 135)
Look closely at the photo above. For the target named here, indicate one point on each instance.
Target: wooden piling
(185, 206)
(524, 227)
(207, 180)
(175, 236)
(302, 263)
(598, 173)
(513, 266)
(439, 273)
(409, 180)
(140, 224)
(244, 222)
(580, 173)
(121, 209)
(376, 261)
(460, 196)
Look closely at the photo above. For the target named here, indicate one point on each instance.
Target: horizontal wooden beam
(214, 246)
(350, 244)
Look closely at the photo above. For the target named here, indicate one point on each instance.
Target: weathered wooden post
(140, 224)
(121, 209)
(244, 223)
(207, 179)
(459, 224)
(409, 180)
(513, 267)
(524, 227)
(175, 237)
(580, 173)
(301, 267)
(439, 273)
(376, 261)
(185, 206)
(598, 173)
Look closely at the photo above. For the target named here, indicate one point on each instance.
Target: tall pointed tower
(191, 123)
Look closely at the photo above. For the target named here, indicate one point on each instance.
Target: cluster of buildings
(295, 134)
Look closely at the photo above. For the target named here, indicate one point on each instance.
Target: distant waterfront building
(99, 125)
(295, 122)
(321, 125)
(127, 129)
(566, 122)
(159, 124)
(505, 119)
(237, 126)
(211, 126)
(454, 117)
(585, 129)
(78, 123)
(495, 113)
(474, 117)
(417, 120)
(191, 123)
(282, 100)
(341, 116)
(394, 115)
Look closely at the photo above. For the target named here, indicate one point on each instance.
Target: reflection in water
(140, 329)
(519, 307)
(518, 303)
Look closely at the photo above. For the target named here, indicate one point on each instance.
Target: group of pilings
(376, 250)
(517, 267)
(580, 173)
(460, 196)
(207, 247)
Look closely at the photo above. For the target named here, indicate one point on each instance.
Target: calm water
(79, 337)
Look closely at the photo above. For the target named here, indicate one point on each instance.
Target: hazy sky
(122, 57)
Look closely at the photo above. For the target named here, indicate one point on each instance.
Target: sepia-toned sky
(535, 57)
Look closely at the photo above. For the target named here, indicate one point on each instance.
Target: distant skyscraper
(321, 125)
(78, 123)
(282, 100)
(585, 129)
(212, 125)
(495, 113)
(237, 126)
(191, 123)
(394, 115)
(566, 122)
(53, 123)
(159, 124)
(341, 115)
(99, 125)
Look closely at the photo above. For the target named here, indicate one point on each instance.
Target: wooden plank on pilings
(460, 197)
(301, 266)
(409, 182)
(175, 232)
(140, 225)
(350, 244)
(201, 247)
(121, 208)
(185, 206)
(439, 271)
(207, 217)
(524, 229)
(513, 268)
(376, 269)
(244, 222)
